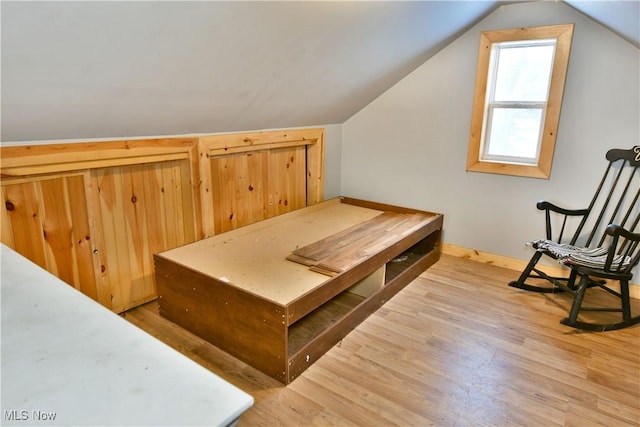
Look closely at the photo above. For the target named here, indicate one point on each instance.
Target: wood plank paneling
(189, 225)
(83, 237)
(47, 221)
(135, 205)
(240, 189)
(145, 209)
(156, 218)
(21, 202)
(315, 171)
(66, 232)
(50, 158)
(224, 144)
(250, 187)
(116, 249)
(6, 232)
(287, 180)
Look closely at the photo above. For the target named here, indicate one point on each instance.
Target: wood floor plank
(456, 347)
(581, 416)
(405, 390)
(371, 401)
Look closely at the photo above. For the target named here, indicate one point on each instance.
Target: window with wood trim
(516, 109)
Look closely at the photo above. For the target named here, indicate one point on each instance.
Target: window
(519, 87)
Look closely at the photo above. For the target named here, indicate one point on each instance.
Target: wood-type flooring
(456, 347)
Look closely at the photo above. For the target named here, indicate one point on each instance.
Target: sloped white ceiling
(81, 70)
(622, 17)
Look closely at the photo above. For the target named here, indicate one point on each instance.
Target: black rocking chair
(603, 246)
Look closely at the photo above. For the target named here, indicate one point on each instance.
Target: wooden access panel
(143, 209)
(250, 187)
(47, 220)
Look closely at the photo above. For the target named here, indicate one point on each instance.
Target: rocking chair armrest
(616, 230)
(548, 206)
(626, 250)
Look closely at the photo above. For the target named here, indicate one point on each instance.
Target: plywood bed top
(253, 257)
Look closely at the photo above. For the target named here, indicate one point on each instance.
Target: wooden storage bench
(241, 291)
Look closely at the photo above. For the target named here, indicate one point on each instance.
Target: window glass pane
(523, 73)
(514, 132)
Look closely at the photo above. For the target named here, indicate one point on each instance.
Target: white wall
(409, 146)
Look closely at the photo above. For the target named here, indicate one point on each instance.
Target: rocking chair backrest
(615, 200)
(628, 249)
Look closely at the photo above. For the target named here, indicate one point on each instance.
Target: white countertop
(70, 360)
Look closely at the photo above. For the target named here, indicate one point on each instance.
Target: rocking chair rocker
(603, 247)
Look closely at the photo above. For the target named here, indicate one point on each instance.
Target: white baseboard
(514, 264)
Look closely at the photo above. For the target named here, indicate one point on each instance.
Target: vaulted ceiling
(82, 70)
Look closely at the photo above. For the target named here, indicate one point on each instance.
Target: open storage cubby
(328, 314)
(411, 256)
(319, 320)
(239, 291)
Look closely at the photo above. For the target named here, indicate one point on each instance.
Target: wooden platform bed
(279, 293)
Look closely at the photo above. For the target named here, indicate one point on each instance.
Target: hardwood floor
(456, 347)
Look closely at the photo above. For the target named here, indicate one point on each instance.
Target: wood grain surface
(337, 253)
(457, 346)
